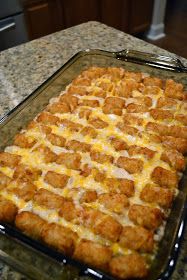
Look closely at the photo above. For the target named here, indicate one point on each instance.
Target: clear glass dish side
(17, 251)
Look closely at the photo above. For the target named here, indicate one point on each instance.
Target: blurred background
(160, 22)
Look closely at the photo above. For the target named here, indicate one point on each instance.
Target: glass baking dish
(38, 261)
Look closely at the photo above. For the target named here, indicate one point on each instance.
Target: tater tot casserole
(94, 175)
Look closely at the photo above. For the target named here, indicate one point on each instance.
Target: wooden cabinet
(46, 16)
(43, 17)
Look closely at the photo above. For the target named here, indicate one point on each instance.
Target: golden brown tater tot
(84, 113)
(98, 123)
(118, 144)
(133, 75)
(69, 211)
(158, 114)
(89, 103)
(128, 266)
(4, 180)
(174, 90)
(58, 107)
(48, 199)
(26, 173)
(71, 125)
(153, 194)
(166, 102)
(148, 217)
(24, 190)
(79, 90)
(174, 158)
(88, 196)
(86, 170)
(130, 119)
(47, 118)
(79, 81)
(93, 253)
(116, 102)
(136, 108)
(152, 81)
(56, 139)
(24, 141)
(48, 155)
(128, 129)
(30, 223)
(101, 157)
(119, 185)
(88, 130)
(164, 177)
(111, 109)
(144, 100)
(10, 160)
(114, 201)
(70, 160)
(59, 237)
(56, 180)
(98, 175)
(78, 146)
(71, 100)
(136, 150)
(137, 238)
(131, 165)
(43, 128)
(181, 118)
(179, 144)
(8, 210)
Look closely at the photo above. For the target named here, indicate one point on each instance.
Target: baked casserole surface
(94, 175)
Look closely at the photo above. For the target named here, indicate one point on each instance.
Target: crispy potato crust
(8, 210)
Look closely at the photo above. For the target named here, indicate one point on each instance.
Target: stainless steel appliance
(12, 24)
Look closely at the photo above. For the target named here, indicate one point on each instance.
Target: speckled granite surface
(24, 68)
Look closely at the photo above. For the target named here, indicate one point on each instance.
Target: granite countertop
(25, 67)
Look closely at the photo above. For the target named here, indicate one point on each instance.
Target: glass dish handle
(159, 61)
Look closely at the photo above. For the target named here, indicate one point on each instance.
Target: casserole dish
(164, 262)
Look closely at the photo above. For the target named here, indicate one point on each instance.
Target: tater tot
(137, 238)
(59, 237)
(88, 130)
(98, 123)
(9, 160)
(176, 131)
(136, 150)
(30, 223)
(144, 100)
(118, 144)
(133, 75)
(166, 102)
(125, 88)
(108, 227)
(71, 125)
(114, 202)
(26, 173)
(47, 118)
(4, 180)
(151, 90)
(152, 194)
(179, 144)
(131, 119)
(181, 118)
(131, 165)
(111, 109)
(48, 199)
(78, 146)
(69, 211)
(157, 128)
(79, 81)
(128, 266)
(136, 108)
(164, 177)
(152, 81)
(48, 155)
(24, 190)
(84, 113)
(116, 102)
(174, 158)
(98, 92)
(100, 157)
(58, 107)
(94, 72)
(128, 129)
(78, 90)
(158, 114)
(93, 253)
(88, 196)
(119, 185)
(70, 160)
(89, 103)
(56, 139)
(56, 180)
(98, 175)
(86, 170)
(8, 210)
(71, 100)
(174, 90)
(106, 86)
(43, 128)
(148, 217)
(24, 141)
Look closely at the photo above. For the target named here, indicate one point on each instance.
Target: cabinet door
(78, 11)
(140, 15)
(43, 17)
(115, 13)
